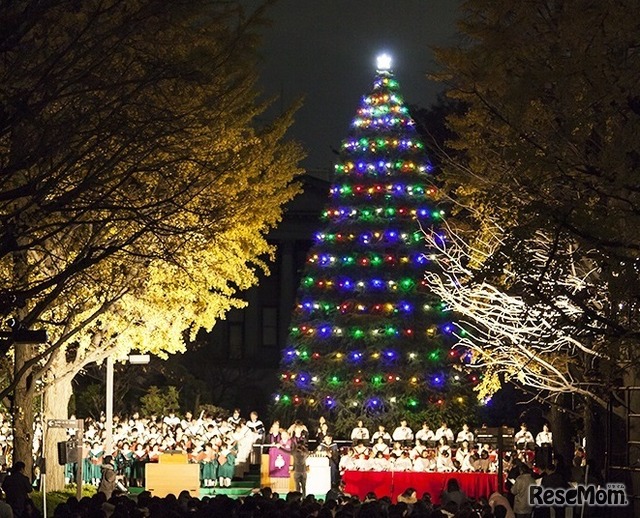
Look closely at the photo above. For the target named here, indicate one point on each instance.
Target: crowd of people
(110, 502)
(223, 446)
(267, 503)
(426, 450)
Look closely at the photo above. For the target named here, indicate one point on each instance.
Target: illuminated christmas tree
(367, 338)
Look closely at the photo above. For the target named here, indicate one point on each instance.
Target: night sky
(326, 51)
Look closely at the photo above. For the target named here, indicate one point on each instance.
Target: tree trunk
(594, 431)
(562, 430)
(196, 404)
(22, 411)
(56, 403)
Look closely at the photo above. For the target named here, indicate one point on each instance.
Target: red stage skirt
(393, 483)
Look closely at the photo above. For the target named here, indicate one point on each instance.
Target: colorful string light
(366, 334)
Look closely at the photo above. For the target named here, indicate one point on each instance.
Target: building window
(269, 327)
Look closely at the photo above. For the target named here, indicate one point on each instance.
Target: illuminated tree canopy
(137, 184)
(546, 272)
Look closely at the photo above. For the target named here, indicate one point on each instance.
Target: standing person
(545, 437)
(381, 433)
(298, 432)
(209, 463)
(403, 433)
(520, 490)
(444, 431)
(552, 478)
(226, 462)
(280, 456)
(234, 420)
(323, 431)
(92, 463)
(5, 509)
(465, 435)
(360, 433)
(453, 493)
(124, 460)
(300, 455)
(425, 434)
(274, 433)
(523, 438)
(322, 420)
(330, 450)
(256, 426)
(140, 458)
(108, 479)
(544, 448)
(17, 487)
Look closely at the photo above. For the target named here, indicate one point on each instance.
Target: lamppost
(134, 359)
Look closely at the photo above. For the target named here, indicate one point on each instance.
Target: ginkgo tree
(138, 184)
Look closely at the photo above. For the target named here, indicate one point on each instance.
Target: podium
(172, 474)
(319, 475)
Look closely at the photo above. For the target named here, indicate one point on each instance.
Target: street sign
(26, 336)
(62, 423)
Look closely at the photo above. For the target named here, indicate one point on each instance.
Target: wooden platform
(166, 478)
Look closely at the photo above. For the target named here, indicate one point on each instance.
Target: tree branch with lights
(525, 323)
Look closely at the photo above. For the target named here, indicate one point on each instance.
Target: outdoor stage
(393, 483)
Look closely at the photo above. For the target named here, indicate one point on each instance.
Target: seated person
(417, 449)
(361, 463)
(347, 462)
(442, 445)
(463, 457)
(380, 446)
(403, 463)
(379, 462)
(360, 448)
(426, 462)
(484, 463)
(474, 460)
(444, 463)
(397, 449)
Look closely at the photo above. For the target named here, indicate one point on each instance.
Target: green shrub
(59, 497)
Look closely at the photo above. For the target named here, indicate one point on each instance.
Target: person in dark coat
(108, 479)
(330, 449)
(300, 455)
(17, 487)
